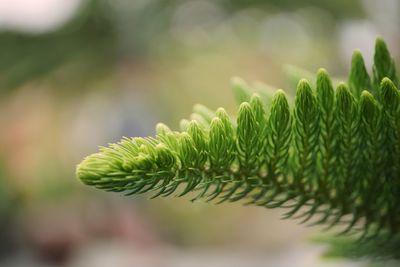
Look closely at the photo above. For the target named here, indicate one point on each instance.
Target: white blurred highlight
(36, 16)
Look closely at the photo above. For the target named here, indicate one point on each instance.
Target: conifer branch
(335, 153)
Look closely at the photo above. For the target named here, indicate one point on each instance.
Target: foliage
(381, 248)
(106, 32)
(29, 56)
(333, 156)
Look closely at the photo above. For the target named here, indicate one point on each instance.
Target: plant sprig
(334, 155)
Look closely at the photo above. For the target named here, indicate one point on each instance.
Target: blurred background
(76, 74)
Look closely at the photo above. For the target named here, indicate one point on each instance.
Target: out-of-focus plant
(104, 32)
(341, 8)
(28, 56)
(7, 209)
(333, 156)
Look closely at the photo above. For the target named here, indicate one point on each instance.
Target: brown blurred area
(75, 75)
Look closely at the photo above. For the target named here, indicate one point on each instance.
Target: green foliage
(104, 32)
(358, 79)
(25, 57)
(380, 249)
(335, 153)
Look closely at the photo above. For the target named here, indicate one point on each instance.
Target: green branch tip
(332, 157)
